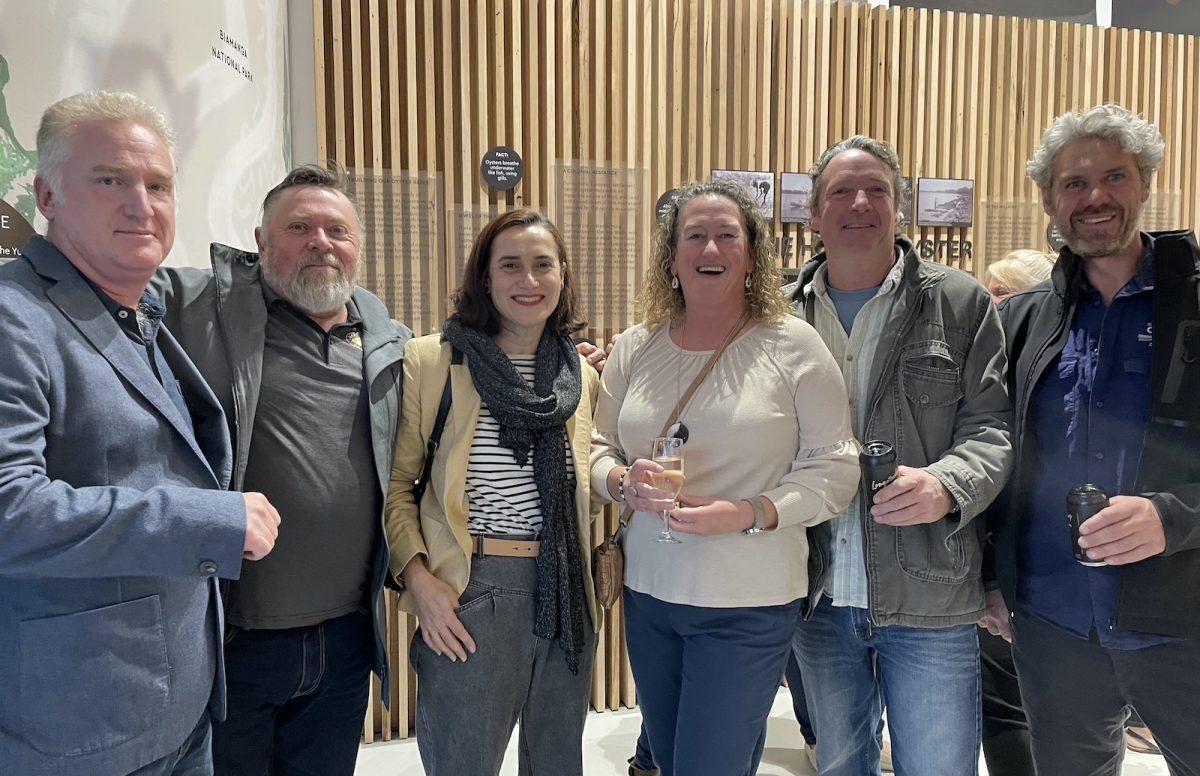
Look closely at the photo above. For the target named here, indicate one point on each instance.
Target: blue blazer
(113, 529)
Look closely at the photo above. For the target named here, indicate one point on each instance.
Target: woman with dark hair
(767, 452)
(494, 560)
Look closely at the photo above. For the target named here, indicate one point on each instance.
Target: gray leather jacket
(938, 393)
(220, 318)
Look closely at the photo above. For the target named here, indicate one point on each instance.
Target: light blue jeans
(928, 679)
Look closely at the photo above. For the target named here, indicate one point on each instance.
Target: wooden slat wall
(669, 90)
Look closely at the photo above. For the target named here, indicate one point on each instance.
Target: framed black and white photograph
(795, 188)
(760, 186)
(945, 202)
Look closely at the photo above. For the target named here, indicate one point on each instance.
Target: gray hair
(61, 119)
(332, 177)
(1133, 133)
(880, 149)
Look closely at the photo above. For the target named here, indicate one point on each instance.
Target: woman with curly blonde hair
(768, 451)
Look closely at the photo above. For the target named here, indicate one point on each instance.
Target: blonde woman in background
(1017, 271)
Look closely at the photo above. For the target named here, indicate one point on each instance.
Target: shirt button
(208, 568)
(1099, 404)
(843, 541)
(122, 313)
(849, 356)
(1099, 456)
(924, 398)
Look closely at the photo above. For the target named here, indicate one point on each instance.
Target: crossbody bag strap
(626, 512)
(435, 438)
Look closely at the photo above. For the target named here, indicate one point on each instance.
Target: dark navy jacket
(1159, 594)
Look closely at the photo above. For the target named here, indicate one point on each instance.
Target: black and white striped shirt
(502, 497)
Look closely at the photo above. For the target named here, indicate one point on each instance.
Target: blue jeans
(466, 711)
(928, 676)
(706, 679)
(297, 698)
(643, 759)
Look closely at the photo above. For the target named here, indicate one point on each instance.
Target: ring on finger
(633, 490)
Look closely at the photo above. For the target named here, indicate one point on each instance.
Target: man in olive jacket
(895, 582)
(1105, 380)
(307, 367)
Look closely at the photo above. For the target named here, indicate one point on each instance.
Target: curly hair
(658, 303)
(1134, 134)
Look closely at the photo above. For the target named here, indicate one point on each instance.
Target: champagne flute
(668, 453)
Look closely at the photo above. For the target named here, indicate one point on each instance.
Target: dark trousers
(1005, 727)
(643, 759)
(1076, 692)
(297, 698)
(706, 679)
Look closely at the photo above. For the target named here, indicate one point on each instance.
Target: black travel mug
(1082, 502)
(878, 463)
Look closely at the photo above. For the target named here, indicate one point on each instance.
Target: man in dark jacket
(1104, 378)
(307, 367)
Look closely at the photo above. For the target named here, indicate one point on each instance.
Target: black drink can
(1082, 502)
(878, 463)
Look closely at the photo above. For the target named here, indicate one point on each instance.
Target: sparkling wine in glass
(668, 453)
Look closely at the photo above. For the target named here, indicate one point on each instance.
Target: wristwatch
(760, 517)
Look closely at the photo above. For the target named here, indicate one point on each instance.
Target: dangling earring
(747, 281)
(675, 281)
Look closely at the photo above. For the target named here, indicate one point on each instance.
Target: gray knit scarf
(536, 419)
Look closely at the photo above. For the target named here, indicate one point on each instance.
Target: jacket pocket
(932, 379)
(934, 552)
(93, 680)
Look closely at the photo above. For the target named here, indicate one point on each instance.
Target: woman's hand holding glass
(640, 493)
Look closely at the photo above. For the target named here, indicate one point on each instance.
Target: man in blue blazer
(113, 456)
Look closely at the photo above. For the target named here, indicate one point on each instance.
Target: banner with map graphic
(216, 68)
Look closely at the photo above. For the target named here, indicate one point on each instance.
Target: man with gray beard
(307, 367)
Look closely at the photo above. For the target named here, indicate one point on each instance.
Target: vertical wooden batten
(664, 92)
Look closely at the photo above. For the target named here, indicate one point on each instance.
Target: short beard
(314, 295)
(1093, 248)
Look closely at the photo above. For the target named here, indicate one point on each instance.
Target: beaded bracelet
(621, 486)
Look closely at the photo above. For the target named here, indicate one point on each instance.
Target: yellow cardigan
(439, 529)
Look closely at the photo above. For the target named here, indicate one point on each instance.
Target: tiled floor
(608, 739)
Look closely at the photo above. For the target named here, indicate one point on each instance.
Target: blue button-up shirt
(1087, 416)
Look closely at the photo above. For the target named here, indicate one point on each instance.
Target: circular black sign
(664, 202)
(502, 168)
(1054, 237)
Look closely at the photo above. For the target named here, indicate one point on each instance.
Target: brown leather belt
(505, 548)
